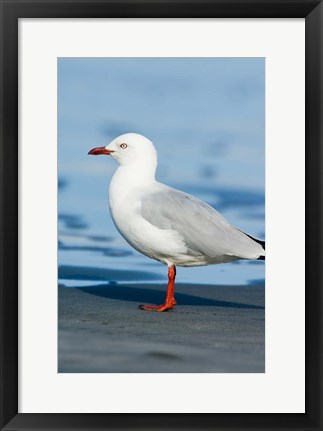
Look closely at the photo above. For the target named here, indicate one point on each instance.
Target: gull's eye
(123, 146)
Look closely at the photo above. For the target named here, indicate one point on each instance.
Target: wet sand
(213, 329)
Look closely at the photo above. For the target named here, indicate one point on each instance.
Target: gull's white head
(130, 149)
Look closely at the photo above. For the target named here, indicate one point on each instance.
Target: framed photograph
(173, 282)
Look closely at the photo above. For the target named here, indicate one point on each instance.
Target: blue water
(206, 119)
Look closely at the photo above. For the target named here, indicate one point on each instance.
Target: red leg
(170, 300)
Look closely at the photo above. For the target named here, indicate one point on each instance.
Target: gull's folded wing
(203, 229)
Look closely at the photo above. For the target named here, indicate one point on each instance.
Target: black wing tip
(259, 241)
(262, 243)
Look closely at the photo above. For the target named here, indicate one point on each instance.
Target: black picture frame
(11, 12)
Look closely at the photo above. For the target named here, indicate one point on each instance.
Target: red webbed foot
(164, 307)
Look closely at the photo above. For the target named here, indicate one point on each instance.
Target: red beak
(99, 150)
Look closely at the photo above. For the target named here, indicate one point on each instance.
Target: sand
(217, 329)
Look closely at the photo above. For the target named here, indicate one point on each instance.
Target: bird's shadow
(154, 296)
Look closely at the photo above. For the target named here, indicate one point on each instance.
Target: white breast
(163, 245)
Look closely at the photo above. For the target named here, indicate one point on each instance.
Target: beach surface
(213, 329)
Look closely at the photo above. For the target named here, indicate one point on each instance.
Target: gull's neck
(139, 174)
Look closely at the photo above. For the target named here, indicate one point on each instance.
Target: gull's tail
(262, 243)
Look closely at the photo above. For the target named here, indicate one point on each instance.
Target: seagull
(166, 224)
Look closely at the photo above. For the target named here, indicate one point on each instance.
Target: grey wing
(203, 230)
